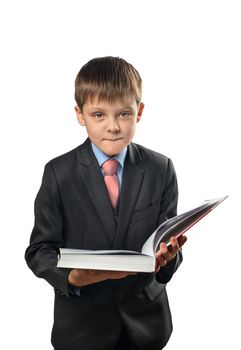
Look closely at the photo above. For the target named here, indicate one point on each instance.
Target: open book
(125, 260)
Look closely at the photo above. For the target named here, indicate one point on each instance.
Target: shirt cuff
(74, 290)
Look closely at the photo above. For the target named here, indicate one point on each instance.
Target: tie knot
(109, 167)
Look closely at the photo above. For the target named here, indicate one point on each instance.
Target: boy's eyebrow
(102, 109)
(95, 108)
(126, 107)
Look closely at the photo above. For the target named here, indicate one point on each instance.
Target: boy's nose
(113, 126)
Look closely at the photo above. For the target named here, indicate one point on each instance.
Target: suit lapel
(131, 185)
(95, 185)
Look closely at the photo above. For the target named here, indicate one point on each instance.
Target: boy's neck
(101, 156)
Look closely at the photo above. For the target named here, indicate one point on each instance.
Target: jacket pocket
(146, 212)
(154, 289)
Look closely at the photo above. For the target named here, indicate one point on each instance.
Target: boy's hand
(167, 253)
(80, 278)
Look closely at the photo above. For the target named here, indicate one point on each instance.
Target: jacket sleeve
(168, 210)
(47, 234)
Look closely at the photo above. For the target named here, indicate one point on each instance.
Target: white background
(188, 54)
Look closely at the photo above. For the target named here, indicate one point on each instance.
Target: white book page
(64, 251)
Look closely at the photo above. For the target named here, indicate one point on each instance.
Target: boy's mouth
(120, 138)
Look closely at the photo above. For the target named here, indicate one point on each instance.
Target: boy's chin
(112, 153)
(113, 150)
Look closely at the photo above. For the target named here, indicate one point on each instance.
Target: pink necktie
(111, 180)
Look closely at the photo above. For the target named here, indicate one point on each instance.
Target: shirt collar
(102, 157)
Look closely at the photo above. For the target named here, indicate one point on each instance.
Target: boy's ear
(79, 115)
(139, 114)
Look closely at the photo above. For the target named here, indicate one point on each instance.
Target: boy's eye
(125, 114)
(98, 115)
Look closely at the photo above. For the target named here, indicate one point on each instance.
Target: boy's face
(110, 126)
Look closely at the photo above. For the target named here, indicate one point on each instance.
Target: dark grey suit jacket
(72, 209)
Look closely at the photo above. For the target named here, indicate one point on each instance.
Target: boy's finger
(181, 240)
(163, 258)
(162, 249)
(173, 246)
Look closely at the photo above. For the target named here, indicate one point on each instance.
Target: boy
(107, 193)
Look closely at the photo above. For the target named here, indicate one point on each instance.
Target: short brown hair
(109, 78)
